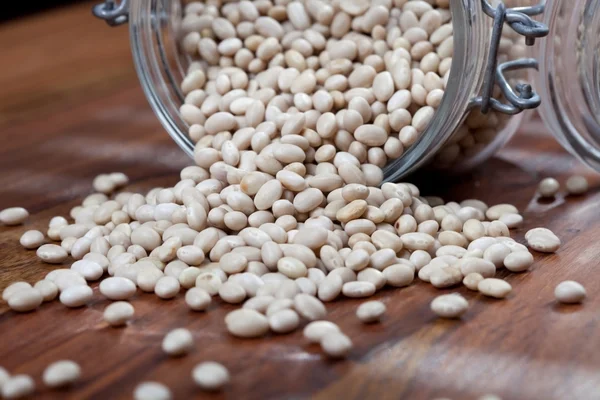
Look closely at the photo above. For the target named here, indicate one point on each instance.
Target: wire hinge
(522, 97)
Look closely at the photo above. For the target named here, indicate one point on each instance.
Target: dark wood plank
(60, 58)
(72, 108)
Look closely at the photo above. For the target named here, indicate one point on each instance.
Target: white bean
(13, 216)
(316, 330)
(32, 239)
(25, 300)
(117, 288)
(152, 391)
(18, 386)
(76, 296)
(118, 313)
(14, 288)
(89, 269)
(370, 311)
(61, 373)
(284, 321)
(577, 185)
(167, 287)
(471, 280)
(518, 261)
(548, 187)
(178, 342)
(569, 292)
(246, 323)
(52, 254)
(336, 344)
(197, 299)
(47, 289)
(542, 240)
(358, 289)
(309, 307)
(449, 305)
(493, 287)
(210, 376)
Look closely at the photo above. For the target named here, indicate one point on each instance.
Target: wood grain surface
(71, 108)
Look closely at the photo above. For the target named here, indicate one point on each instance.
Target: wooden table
(71, 108)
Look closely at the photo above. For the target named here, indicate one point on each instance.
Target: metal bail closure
(522, 97)
(111, 12)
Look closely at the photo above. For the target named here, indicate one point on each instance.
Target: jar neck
(570, 77)
(471, 45)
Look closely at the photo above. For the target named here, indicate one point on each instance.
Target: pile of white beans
(294, 110)
(281, 268)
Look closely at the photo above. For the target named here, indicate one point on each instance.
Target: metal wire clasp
(111, 12)
(523, 96)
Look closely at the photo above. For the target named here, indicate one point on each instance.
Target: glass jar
(156, 31)
(569, 78)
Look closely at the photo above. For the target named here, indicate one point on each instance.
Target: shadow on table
(482, 182)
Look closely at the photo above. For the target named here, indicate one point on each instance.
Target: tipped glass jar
(447, 100)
